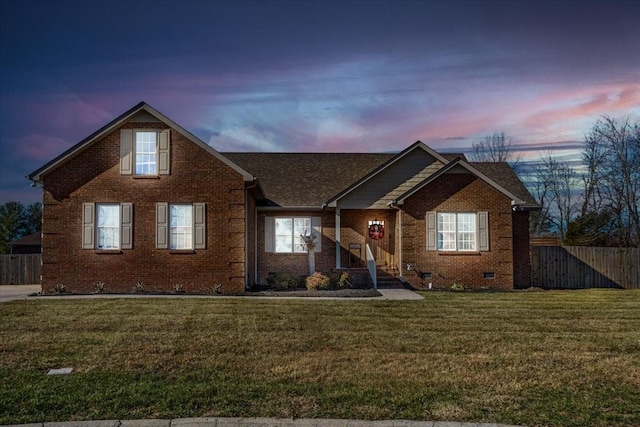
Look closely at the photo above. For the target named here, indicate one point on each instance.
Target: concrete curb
(259, 422)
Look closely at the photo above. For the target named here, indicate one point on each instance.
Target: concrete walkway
(15, 292)
(19, 292)
(261, 422)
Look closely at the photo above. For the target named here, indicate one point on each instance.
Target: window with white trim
(180, 227)
(146, 149)
(288, 232)
(108, 226)
(283, 234)
(457, 232)
(145, 152)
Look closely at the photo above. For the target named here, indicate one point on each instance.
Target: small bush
(59, 289)
(458, 287)
(344, 281)
(139, 287)
(98, 286)
(317, 281)
(283, 281)
(178, 289)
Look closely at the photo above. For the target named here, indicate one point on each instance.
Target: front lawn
(542, 358)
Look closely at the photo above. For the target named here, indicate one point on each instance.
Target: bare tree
(558, 184)
(495, 148)
(612, 180)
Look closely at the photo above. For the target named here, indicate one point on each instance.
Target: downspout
(394, 206)
(246, 235)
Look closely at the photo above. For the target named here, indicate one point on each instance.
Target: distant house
(29, 244)
(143, 200)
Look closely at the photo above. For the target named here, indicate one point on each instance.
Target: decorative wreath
(376, 231)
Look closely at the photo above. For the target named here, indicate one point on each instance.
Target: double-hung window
(457, 231)
(145, 152)
(180, 226)
(107, 226)
(284, 234)
(146, 149)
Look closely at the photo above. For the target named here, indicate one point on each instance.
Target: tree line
(593, 203)
(17, 221)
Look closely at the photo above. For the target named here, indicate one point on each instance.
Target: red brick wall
(458, 193)
(94, 176)
(296, 264)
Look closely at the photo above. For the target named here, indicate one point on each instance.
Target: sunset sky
(314, 76)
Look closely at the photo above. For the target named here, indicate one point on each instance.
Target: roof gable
(522, 199)
(393, 183)
(140, 112)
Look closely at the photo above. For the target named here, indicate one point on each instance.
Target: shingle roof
(306, 179)
(310, 179)
(502, 174)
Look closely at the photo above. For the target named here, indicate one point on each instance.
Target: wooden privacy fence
(20, 269)
(581, 267)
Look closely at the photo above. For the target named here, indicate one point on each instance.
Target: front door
(378, 240)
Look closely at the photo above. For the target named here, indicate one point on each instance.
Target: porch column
(337, 222)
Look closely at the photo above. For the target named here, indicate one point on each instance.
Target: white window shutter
(162, 225)
(269, 234)
(316, 226)
(126, 225)
(126, 151)
(199, 226)
(164, 142)
(483, 231)
(88, 225)
(432, 232)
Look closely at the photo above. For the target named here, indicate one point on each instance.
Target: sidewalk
(260, 422)
(21, 292)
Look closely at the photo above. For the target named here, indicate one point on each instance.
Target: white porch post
(337, 221)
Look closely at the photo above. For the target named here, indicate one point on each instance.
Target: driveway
(15, 292)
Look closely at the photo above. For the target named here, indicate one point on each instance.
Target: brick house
(143, 200)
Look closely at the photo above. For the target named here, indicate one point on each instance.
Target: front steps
(388, 277)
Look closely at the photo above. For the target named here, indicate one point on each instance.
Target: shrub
(178, 289)
(317, 281)
(59, 289)
(458, 287)
(139, 286)
(282, 281)
(344, 281)
(98, 286)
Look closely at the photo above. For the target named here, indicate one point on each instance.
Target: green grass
(569, 358)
